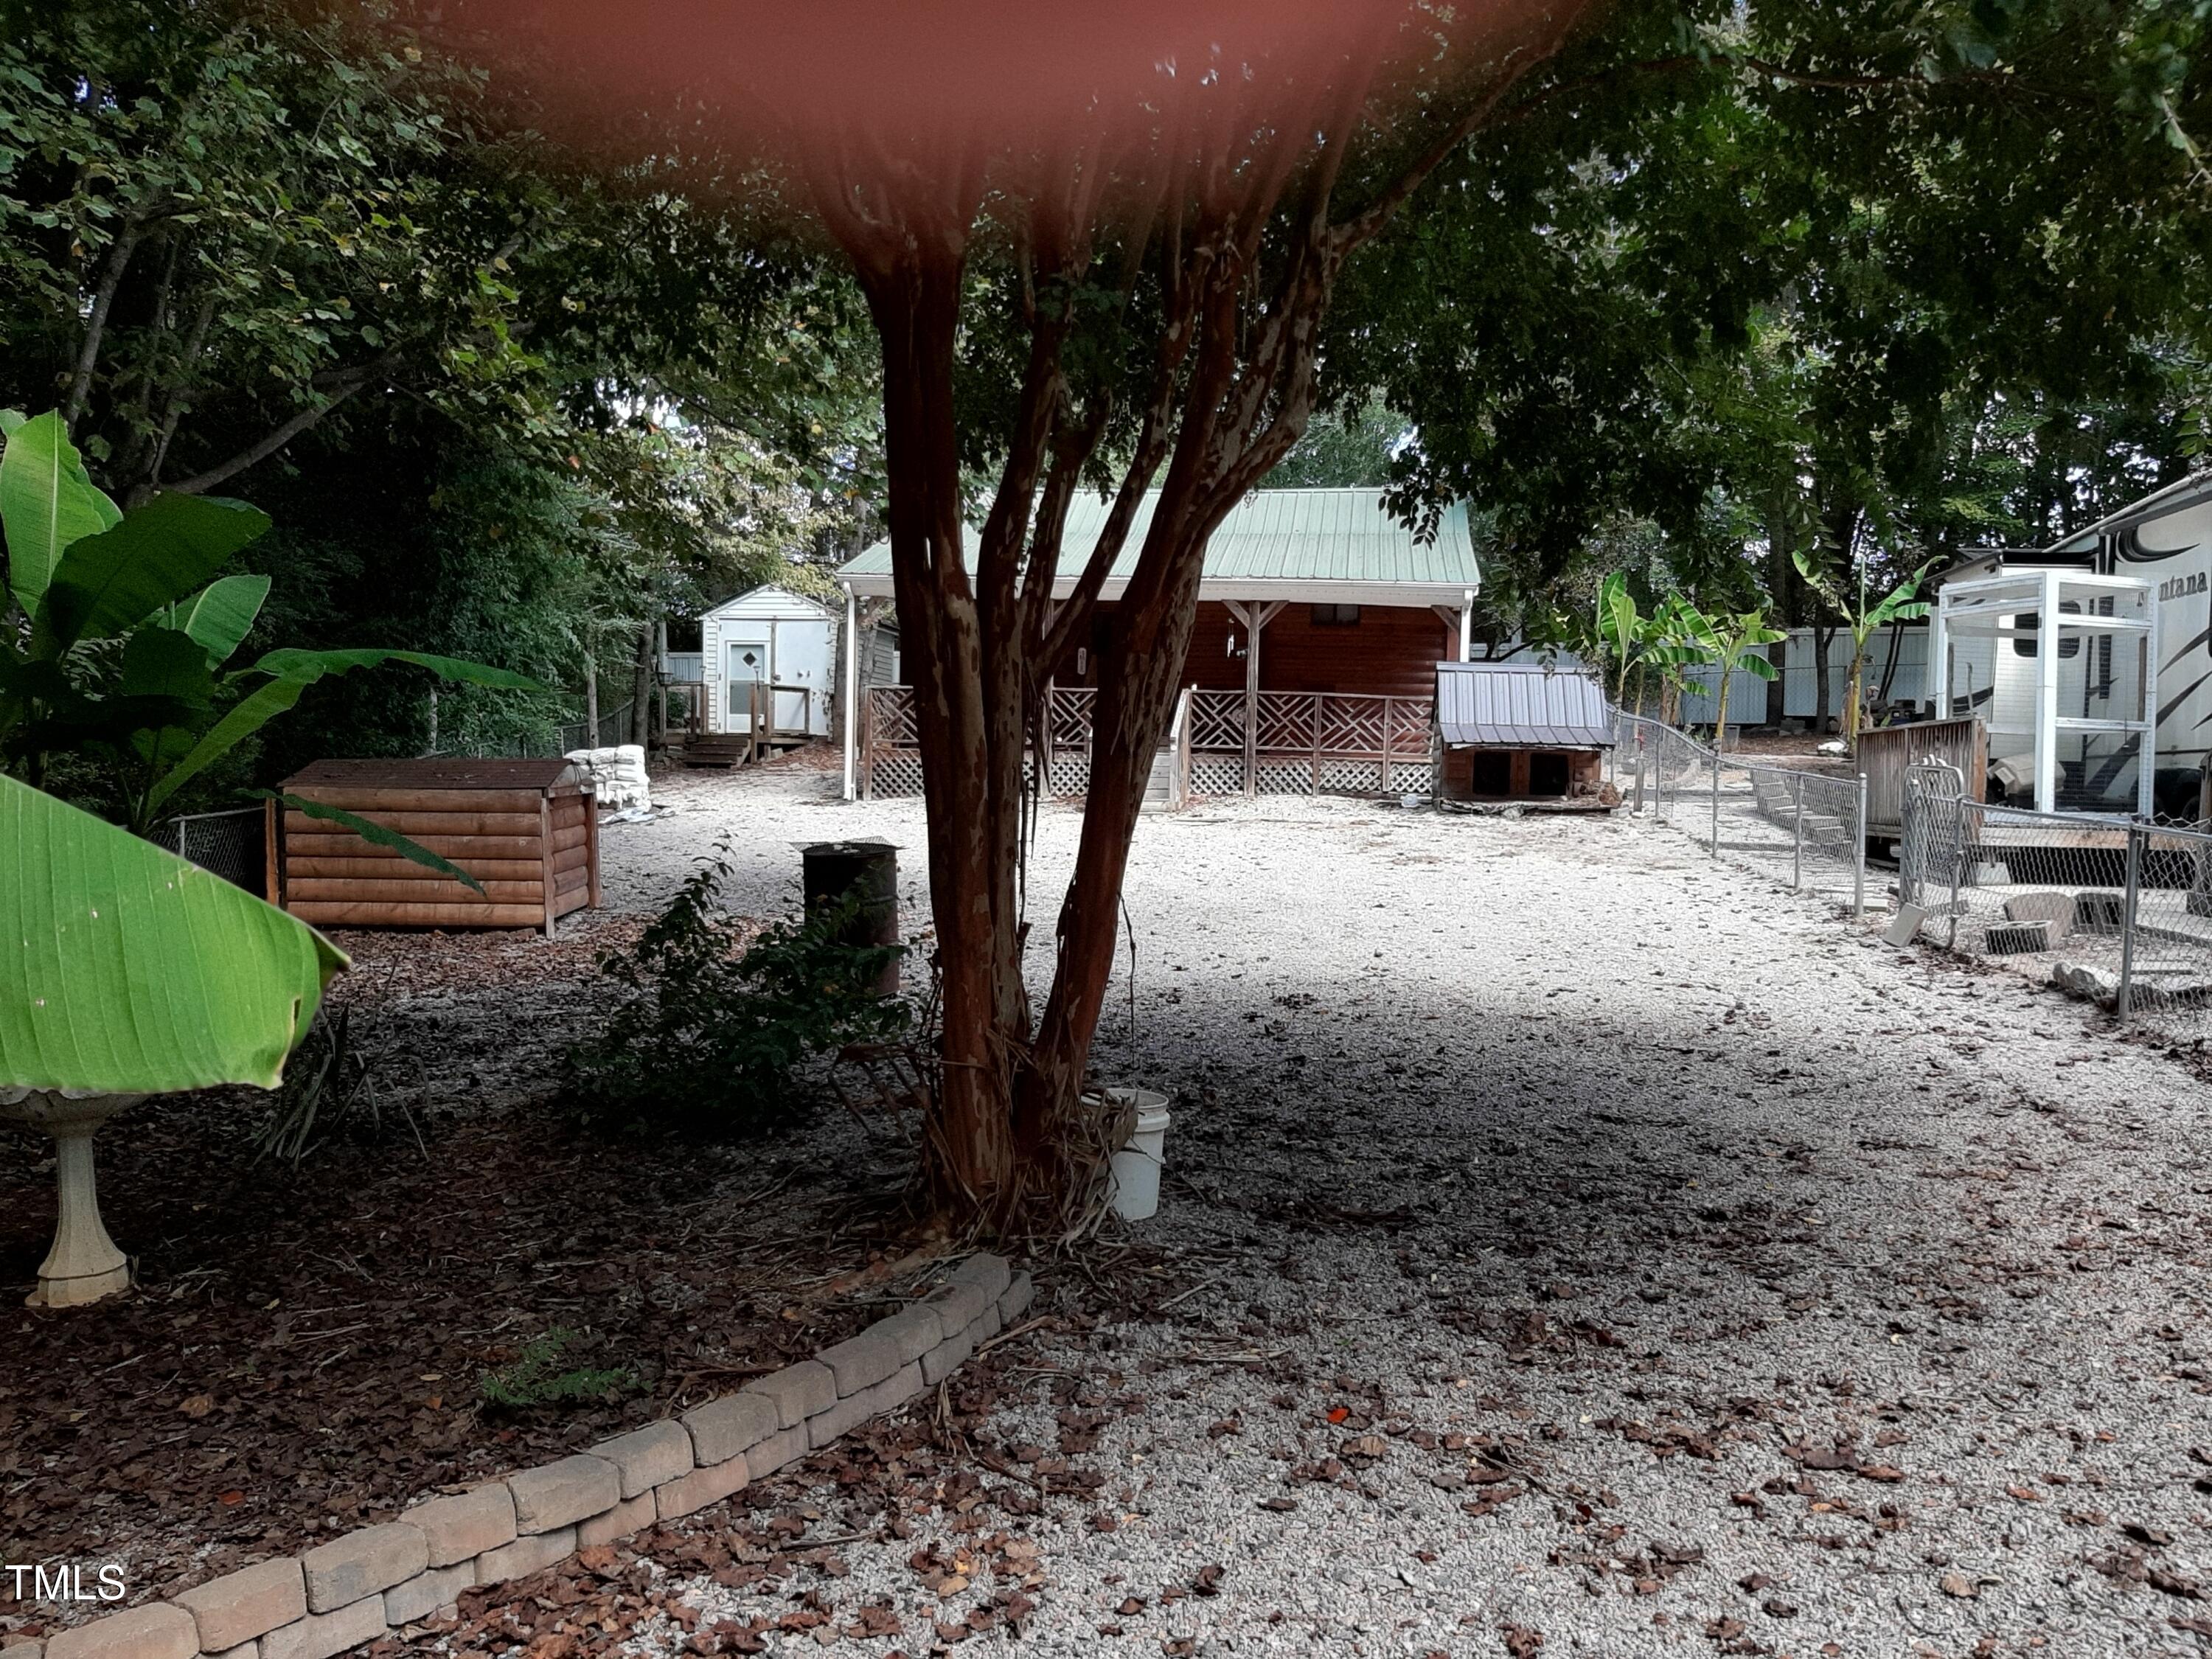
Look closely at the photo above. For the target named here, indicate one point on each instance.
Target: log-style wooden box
(525, 828)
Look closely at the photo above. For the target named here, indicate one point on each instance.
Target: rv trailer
(2074, 655)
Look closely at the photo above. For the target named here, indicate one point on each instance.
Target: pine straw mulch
(304, 1349)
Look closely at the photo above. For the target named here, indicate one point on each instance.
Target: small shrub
(328, 1090)
(712, 1031)
(530, 1379)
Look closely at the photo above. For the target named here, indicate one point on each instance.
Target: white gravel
(1554, 1132)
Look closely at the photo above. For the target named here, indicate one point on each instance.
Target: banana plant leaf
(130, 971)
(153, 556)
(377, 836)
(220, 615)
(294, 672)
(46, 501)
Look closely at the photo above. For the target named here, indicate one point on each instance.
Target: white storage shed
(778, 637)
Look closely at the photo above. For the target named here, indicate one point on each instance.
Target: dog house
(527, 830)
(1519, 731)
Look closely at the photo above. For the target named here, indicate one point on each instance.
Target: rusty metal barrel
(832, 871)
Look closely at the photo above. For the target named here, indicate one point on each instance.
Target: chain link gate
(1932, 850)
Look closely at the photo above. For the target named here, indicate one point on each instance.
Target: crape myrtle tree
(1100, 248)
(1162, 285)
(1099, 259)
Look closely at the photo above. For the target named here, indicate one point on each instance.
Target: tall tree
(1106, 255)
(1144, 221)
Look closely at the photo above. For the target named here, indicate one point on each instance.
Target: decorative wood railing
(1300, 742)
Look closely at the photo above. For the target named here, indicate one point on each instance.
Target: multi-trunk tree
(1103, 255)
(1141, 222)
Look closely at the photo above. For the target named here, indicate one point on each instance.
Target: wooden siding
(1390, 651)
(525, 844)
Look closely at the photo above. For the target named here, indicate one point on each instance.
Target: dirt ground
(1570, 1246)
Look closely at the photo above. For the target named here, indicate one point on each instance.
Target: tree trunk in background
(1889, 667)
(1790, 604)
(591, 703)
(1824, 639)
(640, 701)
(659, 730)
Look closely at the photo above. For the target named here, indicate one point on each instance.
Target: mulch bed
(304, 1350)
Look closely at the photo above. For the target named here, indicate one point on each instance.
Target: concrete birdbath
(83, 1266)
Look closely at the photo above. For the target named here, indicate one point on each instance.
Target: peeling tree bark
(1241, 250)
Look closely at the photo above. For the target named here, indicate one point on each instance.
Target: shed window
(1336, 615)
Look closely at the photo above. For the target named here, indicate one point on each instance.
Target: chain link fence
(1800, 827)
(613, 730)
(2110, 908)
(233, 845)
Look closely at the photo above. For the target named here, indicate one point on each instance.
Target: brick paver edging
(356, 1588)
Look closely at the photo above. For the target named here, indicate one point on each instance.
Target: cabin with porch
(1322, 618)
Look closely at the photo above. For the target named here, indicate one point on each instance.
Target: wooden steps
(718, 748)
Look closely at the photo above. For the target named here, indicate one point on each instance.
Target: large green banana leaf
(46, 501)
(125, 969)
(103, 584)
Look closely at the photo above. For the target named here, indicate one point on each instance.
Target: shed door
(750, 660)
(802, 673)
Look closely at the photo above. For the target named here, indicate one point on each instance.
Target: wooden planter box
(525, 828)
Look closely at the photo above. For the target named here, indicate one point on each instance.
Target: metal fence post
(1716, 802)
(1797, 835)
(1858, 856)
(2123, 1001)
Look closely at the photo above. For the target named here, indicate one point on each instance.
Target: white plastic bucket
(1134, 1192)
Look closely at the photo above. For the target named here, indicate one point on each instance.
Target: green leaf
(248, 716)
(308, 666)
(222, 614)
(296, 671)
(163, 662)
(47, 501)
(159, 553)
(131, 971)
(377, 835)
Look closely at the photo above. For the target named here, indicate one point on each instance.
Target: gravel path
(1593, 1252)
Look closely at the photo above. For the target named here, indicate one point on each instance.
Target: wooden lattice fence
(1295, 743)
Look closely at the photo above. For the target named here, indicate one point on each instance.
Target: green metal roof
(1273, 542)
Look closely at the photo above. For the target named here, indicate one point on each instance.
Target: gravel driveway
(1591, 1251)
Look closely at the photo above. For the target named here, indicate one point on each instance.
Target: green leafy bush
(530, 1379)
(713, 1029)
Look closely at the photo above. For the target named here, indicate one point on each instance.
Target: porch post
(1252, 628)
(1249, 614)
(1262, 615)
(1457, 620)
(852, 721)
(2046, 700)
